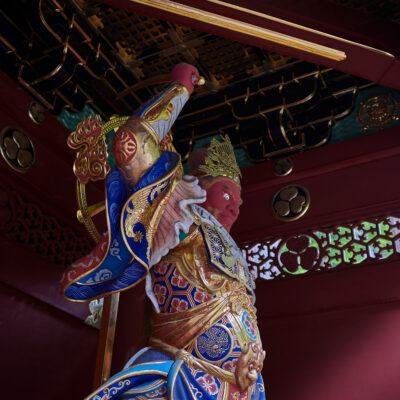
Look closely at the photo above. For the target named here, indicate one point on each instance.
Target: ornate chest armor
(205, 341)
(206, 311)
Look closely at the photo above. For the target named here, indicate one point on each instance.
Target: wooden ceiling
(71, 54)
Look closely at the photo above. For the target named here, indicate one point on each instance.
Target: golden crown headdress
(221, 160)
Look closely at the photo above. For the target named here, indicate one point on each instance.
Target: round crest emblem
(17, 149)
(378, 111)
(215, 344)
(290, 203)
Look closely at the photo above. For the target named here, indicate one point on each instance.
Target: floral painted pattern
(200, 296)
(229, 365)
(173, 292)
(249, 325)
(160, 293)
(178, 280)
(161, 268)
(208, 383)
(178, 304)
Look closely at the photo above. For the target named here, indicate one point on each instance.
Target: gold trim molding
(297, 26)
(243, 27)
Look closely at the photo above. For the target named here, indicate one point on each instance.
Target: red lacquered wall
(47, 351)
(346, 181)
(332, 336)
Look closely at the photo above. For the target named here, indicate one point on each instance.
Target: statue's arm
(136, 144)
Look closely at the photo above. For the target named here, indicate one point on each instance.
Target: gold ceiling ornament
(221, 160)
(17, 149)
(83, 4)
(378, 111)
(277, 60)
(96, 21)
(290, 203)
(127, 54)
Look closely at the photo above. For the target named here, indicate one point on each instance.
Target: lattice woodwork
(226, 60)
(27, 223)
(140, 40)
(137, 32)
(153, 47)
(366, 241)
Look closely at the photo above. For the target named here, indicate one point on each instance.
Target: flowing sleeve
(144, 214)
(136, 144)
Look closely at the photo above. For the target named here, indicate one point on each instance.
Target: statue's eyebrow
(227, 188)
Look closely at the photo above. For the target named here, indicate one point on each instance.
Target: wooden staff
(106, 340)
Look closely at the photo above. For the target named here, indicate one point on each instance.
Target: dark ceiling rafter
(68, 53)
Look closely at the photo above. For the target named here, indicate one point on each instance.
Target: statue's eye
(226, 196)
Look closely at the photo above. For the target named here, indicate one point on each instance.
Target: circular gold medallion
(378, 111)
(17, 149)
(290, 203)
(37, 113)
(283, 166)
(216, 344)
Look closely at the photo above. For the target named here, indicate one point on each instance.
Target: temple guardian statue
(173, 231)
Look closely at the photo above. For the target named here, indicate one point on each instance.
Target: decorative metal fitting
(290, 203)
(378, 111)
(283, 166)
(17, 149)
(37, 113)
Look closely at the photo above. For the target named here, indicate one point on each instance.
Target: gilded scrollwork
(140, 209)
(91, 159)
(378, 111)
(135, 212)
(163, 109)
(110, 392)
(125, 147)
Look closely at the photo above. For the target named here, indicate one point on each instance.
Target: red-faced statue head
(223, 199)
(219, 175)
